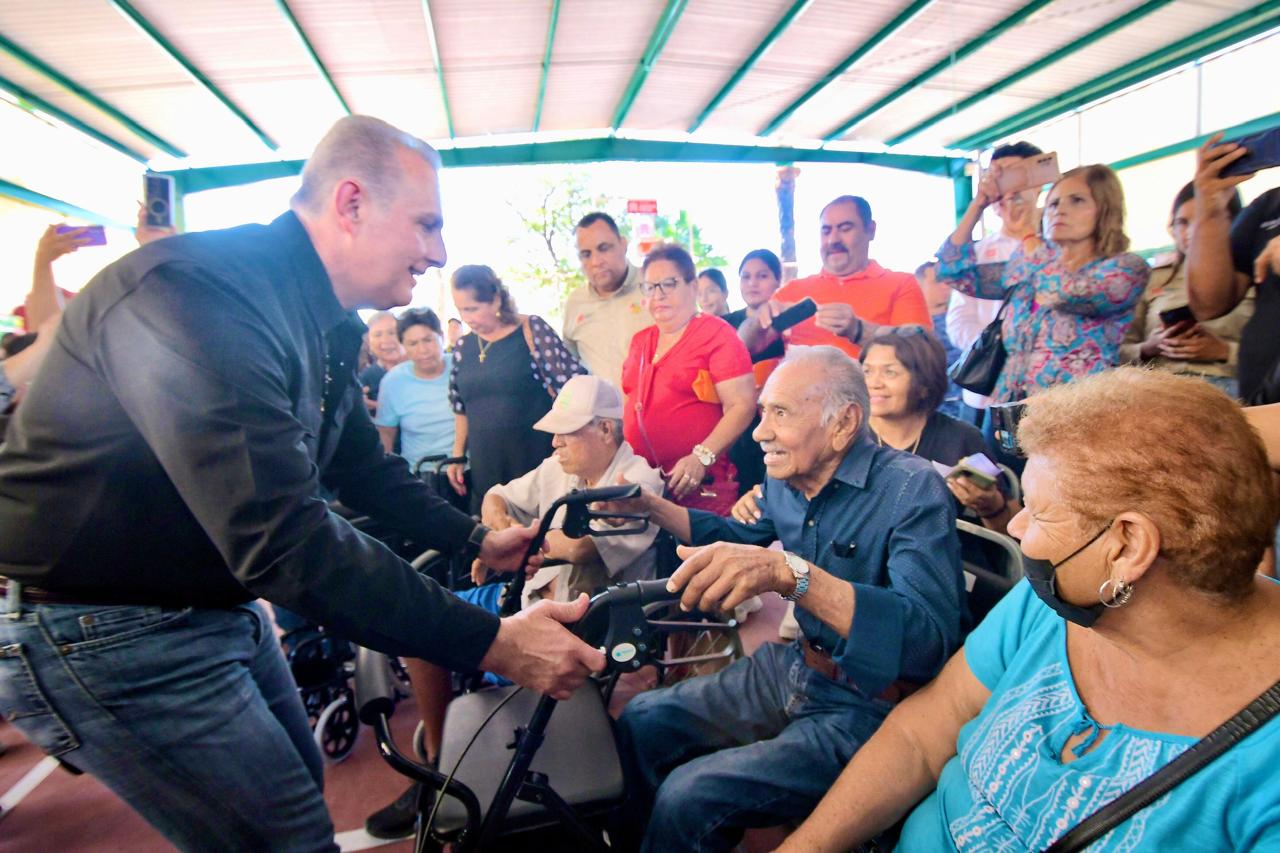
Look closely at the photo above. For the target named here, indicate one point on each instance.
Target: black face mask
(1041, 575)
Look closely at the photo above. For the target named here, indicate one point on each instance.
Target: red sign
(642, 205)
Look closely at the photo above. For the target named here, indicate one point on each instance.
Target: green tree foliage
(687, 234)
(552, 254)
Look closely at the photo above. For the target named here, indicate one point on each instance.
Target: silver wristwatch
(800, 570)
(704, 454)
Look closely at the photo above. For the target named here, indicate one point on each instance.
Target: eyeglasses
(905, 331)
(667, 286)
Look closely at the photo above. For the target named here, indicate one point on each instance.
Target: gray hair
(844, 384)
(363, 148)
(616, 431)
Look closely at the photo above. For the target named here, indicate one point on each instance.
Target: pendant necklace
(912, 451)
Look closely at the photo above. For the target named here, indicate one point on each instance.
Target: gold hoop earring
(1120, 593)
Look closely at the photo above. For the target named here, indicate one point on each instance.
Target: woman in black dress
(506, 372)
(906, 372)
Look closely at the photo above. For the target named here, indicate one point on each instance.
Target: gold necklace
(912, 451)
(483, 345)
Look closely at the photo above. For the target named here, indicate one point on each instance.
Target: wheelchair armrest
(375, 691)
(440, 462)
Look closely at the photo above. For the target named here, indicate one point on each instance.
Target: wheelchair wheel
(336, 729)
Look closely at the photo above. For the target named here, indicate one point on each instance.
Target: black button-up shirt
(172, 450)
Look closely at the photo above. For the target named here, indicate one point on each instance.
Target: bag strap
(536, 357)
(1146, 792)
(1004, 303)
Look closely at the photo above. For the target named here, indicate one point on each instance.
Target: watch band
(705, 454)
(800, 571)
(475, 539)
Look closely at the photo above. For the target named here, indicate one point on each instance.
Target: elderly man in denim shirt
(873, 563)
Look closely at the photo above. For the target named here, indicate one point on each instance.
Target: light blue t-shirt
(1007, 789)
(420, 408)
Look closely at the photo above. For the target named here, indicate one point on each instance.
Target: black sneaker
(397, 819)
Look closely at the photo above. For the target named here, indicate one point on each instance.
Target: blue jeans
(191, 716)
(756, 744)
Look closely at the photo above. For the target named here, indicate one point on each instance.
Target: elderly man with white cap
(586, 422)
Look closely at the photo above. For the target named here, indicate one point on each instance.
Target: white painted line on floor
(358, 839)
(27, 784)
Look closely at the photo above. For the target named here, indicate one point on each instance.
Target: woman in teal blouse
(1071, 296)
(1143, 626)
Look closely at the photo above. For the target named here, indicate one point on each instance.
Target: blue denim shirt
(886, 523)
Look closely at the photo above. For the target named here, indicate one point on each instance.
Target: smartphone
(1004, 422)
(1031, 172)
(1264, 153)
(96, 233)
(1174, 316)
(157, 200)
(798, 313)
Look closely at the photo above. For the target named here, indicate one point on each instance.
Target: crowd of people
(203, 400)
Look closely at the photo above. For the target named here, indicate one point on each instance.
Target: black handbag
(978, 368)
(1155, 786)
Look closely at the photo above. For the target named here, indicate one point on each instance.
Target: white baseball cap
(581, 399)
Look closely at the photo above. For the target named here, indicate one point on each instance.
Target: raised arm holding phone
(1227, 255)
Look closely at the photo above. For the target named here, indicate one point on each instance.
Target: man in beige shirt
(600, 319)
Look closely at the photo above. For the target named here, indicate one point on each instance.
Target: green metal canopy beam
(41, 67)
(1044, 62)
(31, 102)
(590, 151)
(311, 52)
(657, 41)
(901, 20)
(938, 67)
(17, 192)
(435, 57)
(1224, 34)
(546, 64)
(797, 9)
(1229, 133)
(148, 29)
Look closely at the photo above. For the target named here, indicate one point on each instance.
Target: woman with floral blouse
(1071, 295)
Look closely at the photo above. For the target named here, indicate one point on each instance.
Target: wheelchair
(322, 664)
(537, 763)
(451, 572)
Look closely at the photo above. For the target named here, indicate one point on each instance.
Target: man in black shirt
(1225, 258)
(166, 469)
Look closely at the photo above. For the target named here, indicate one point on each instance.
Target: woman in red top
(689, 388)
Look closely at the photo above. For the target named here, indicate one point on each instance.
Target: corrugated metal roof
(379, 56)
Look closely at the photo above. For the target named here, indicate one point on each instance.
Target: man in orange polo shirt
(854, 294)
